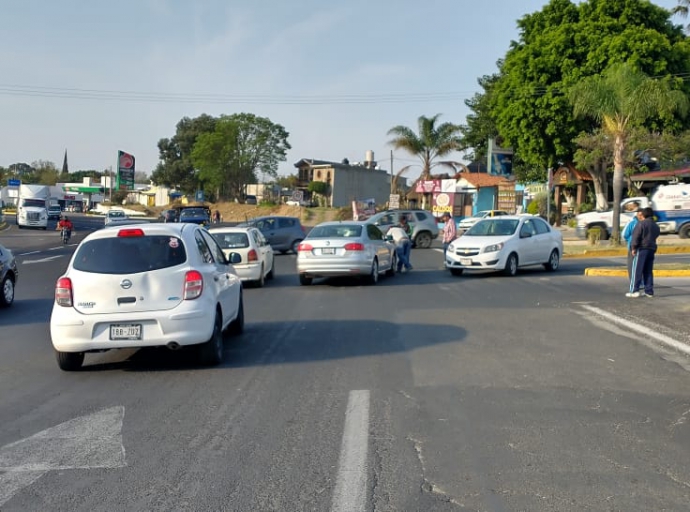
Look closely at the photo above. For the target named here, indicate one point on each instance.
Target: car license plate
(125, 332)
(466, 262)
(328, 250)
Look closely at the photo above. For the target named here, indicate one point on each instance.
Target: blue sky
(331, 54)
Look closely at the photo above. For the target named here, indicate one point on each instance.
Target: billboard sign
(125, 171)
(442, 202)
(500, 160)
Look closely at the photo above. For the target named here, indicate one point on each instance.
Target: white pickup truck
(671, 205)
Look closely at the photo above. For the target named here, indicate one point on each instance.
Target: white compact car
(146, 285)
(257, 258)
(114, 215)
(506, 243)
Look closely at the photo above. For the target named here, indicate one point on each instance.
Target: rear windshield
(129, 255)
(193, 213)
(336, 231)
(116, 214)
(232, 240)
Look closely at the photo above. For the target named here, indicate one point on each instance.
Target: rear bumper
(334, 268)
(71, 331)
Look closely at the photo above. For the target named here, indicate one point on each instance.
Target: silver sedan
(354, 249)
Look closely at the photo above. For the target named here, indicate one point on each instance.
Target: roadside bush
(533, 208)
(572, 223)
(594, 235)
(344, 213)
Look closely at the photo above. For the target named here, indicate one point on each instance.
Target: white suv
(146, 285)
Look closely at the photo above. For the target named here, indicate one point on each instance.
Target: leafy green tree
(78, 176)
(240, 146)
(621, 99)
(561, 45)
(175, 168)
(46, 172)
(319, 188)
(290, 182)
(480, 124)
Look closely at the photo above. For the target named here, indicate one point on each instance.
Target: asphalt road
(542, 392)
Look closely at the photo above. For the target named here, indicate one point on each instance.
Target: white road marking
(27, 253)
(667, 340)
(42, 260)
(87, 442)
(350, 488)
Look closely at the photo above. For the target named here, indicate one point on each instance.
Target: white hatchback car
(146, 285)
(115, 215)
(506, 243)
(257, 263)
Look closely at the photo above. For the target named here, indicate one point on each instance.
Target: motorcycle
(65, 235)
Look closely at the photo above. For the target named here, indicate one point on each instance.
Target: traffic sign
(14, 183)
(297, 195)
(394, 201)
(200, 196)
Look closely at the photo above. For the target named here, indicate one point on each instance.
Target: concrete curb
(607, 253)
(616, 272)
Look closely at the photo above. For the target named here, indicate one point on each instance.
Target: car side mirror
(389, 238)
(525, 235)
(234, 258)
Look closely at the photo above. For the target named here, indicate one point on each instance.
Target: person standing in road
(403, 245)
(627, 236)
(450, 232)
(643, 248)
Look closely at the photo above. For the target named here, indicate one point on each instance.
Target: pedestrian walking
(643, 249)
(216, 217)
(450, 232)
(627, 236)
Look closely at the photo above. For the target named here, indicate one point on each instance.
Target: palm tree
(432, 143)
(682, 10)
(622, 99)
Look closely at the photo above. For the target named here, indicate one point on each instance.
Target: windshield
(336, 231)
(232, 240)
(129, 255)
(493, 227)
(34, 203)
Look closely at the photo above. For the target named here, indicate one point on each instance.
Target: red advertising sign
(428, 186)
(442, 202)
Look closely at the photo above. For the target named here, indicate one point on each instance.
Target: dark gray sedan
(8, 277)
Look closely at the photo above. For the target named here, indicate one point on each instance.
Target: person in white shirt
(403, 244)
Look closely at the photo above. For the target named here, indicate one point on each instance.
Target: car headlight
(494, 248)
(451, 248)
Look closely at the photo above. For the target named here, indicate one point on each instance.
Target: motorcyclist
(65, 224)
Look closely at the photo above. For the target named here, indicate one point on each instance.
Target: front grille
(467, 252)
(33, 216)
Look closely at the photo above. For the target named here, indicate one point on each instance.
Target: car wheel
(456, 272)
(237, 325)
(262, 279)
(211, 352)
(295, 245)
(373, 277)
(7, 291)
(684, 231)
(554, 260)
(394, 263)
(69, 361)
(423, 240)
(304, 280)
(511, 265)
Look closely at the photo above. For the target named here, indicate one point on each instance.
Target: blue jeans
(403, 251)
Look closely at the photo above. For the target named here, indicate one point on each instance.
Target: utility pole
(392, 191)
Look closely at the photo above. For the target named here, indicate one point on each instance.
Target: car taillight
(130, 232)
(63, 292)
(304, 247)
(193, 285)
(354, 246)
(252, 256)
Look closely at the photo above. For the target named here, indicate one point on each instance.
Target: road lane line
(667, 340)
(350, 488)
(27, 253)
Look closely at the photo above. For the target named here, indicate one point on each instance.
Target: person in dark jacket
(643, 248)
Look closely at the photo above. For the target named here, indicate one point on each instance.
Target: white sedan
(506, 243)
(257, 258)
(115, 215)
(147, 285)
